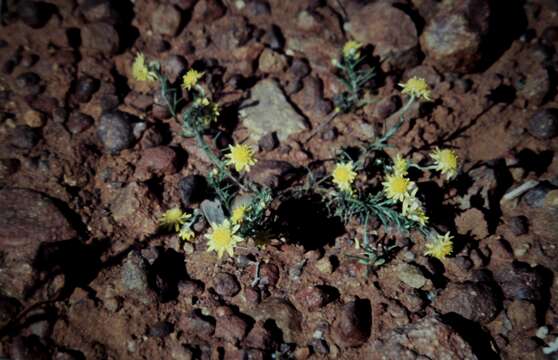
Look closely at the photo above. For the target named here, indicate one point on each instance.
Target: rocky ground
(90, 158)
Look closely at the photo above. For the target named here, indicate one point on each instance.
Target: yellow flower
(397, 187)
(416, 87)
(238, 214)
(400, 166)
(173, 219)
(241, 157)
(202, 101)
(445, 161)
(222, 238)
(344, 175)
(186, 233)
(191, 79)
(351, 49)
(440, 247)
(412, 209)
(140, 71)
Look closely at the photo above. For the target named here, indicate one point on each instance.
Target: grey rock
(115, 131)
(212, 211)
(411, 276)
(544, 124)
(268, 111)
(85, 88)
(226, 284)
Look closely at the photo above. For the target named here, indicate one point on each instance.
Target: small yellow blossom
(186, 233)
(445, 161)
(223, 238)
(351, 49)
(344, 176)
(173, 219)
(400, 166)
(416, 87)
(412, 209)
(241, 157)
(140, 71)
(238, 214)
(397, 187)
(191, 79)
(440, 247)
(202, 101)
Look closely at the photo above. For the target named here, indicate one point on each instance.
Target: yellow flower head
(238, 214)
(222, 238)
(440, 247)
(140, 71)
(186, 233)
(241, 157)
(397, 187)
(445, 161)
(416, 87)
(412, 209)
(173, 219)
(191, 79)
(400, 166)
(351, 49)
(344, 176)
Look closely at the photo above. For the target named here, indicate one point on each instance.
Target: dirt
(90, 158)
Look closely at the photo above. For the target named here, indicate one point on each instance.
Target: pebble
(312, 297)
(115, 131)
(166, 20)
(231, 328)
(196, 325)
(544, 124)
(519, 225)
(324, 265)
(269, 275)
(353, 324)
(101, 37)
(192, 189)
(85, 88)
(226, 284)
(272, 62)
(299, 68)
(24, 137)
(411, 276)
(99, 10)
(160, 329)
(34, 119)
(79, 122)
(156, 161)
(268, 142)
(207, 11)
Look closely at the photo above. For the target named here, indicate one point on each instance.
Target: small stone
(520, 281)
(324, 265)
(160, 329)
(99, 10)
(34, 119)
(269, 142)
(257, 8)
(166, 20)
(115, 131)
(207, 11)
(79, 122)
(226, 284)
(252, 295)
(312, 297)
(100, 37)
(24, 137)
(269, 275)
(34, 14)
(272, 62)
(474, 301)
(197, 326)
(85, 88)
(174, 66)
(231, 328)
(192, 189)
(411, 276)
(472, 222)
(259, 338)
(189, 288)
(272, 173)
(156, 161)
(523, 315)
(519, 225)
(299, 68)
(353, 324)
(544, 124)
(387, 106)
(534, 198)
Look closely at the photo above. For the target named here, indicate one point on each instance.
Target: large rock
(478, 302)
(392, 33)
(101, 37)
(428, 338)
(268, 111)
(453, 40)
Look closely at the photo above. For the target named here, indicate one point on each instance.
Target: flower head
(412, 209)
(400, 166)
(186, 233)
(241, 157)
(191, 79)
(440, 247)
(445, 161)
(238, 214)
(173, 219)
(416, 87)
(223, 238)
(344, 176)
(140, 71)
(351, 49)
(397, 187)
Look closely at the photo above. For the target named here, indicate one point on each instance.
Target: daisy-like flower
(344, 176)
(173, 219)
(241, 157)
(140, 71)
(400, 166)
(223, 238)
(397, 187)
(412, 209)
(186, 233)
(416, 87)
(440, 247)
(191, 79)
(351, 49)
(238, 214)
(446, 161)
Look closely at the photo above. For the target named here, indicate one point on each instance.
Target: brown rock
(522, 314)
(231, 328)
(474, 301)
(272, 62)
(353, 324)
(207, 11)
(100, 37)
(269, 275)
(226, 284)
(520, 281)
(312, 297)
(472, 222)
(272, 173)
(286, 317)
(160, 160)
(197, 326)
(165, 20)
(34, 119)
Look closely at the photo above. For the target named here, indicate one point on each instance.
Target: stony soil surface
(90, 158)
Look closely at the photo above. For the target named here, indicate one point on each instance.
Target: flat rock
(268, 110)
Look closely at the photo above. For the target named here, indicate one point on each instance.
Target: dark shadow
(166, 272)
(534, 162)
(128, 33)
(503, 94)
(473, 333)
(306, 221)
